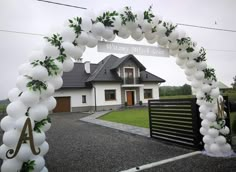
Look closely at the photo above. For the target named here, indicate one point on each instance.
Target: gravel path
(77, 146)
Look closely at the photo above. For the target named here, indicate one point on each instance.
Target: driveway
(77, 146)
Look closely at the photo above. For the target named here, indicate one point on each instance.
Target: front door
(130, 98)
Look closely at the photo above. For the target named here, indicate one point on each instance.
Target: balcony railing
(131, 81)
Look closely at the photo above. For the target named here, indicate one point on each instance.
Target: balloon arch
(24, 144)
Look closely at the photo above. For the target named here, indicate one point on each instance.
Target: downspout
(95, 99)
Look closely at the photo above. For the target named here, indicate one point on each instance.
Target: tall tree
(234, 83)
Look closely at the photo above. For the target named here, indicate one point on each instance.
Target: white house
(110, 84)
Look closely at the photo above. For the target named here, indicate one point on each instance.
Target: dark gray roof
(146, 76)
(102, 72)
(126, 58)
(77, 77)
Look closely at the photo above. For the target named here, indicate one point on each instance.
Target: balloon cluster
(42, 75)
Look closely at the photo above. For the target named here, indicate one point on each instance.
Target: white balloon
(190, 63)
(215, 92)
(49, 91)
(108, 33)
(225, 130)
(86, 24)
(161, 30)
(11, 165)
(215, 149)
(82, 39)
(189, 71)
(13, 94)
(29, 98)
(38, 112)
(39, 138)
(146, 26)
(203, 131)
(213, 132)
(202, 116)
(180, 62)
(199, 75)
(11, 137)
(123, 33)
(183, 54)
(205, 123)
(201, 65)
(162, 41)
(131, 25)
(7, 123)
(56, 81)
(206, 88)
(196, 83)
(173, 45)
(204, 109)
(36, 55)
(46, 127)
(21, 82)
(3, 151)
(137, 34)
(117, 23)
(25, 69)
(39, 163)
(98, 28)
(220, 140)
(50, 102)
(208, 139)
(174, 35)
(51, 51)
(226, 148)
(39, 73)
(92, 41)
(24, 152)
(149, 35)
(211, 116)
(19, 124)
(173, 52)
(44, 169)
(68, 34)
(44, 147)
(69, 48)
(16, 109)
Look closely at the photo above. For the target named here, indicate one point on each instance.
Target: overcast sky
(32, 16)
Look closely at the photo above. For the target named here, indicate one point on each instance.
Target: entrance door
(130, 98)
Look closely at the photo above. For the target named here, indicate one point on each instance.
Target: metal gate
(175, 120)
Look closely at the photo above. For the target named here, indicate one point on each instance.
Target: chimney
(87, 66)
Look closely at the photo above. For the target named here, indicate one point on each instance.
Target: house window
(147, 93)
(84, 99)
(110, 95)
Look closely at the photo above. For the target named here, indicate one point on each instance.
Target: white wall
(155, 91)
(100, 93)
(76, 96)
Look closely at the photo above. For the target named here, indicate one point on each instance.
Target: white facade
(100, 93)
(155, 91)
(76, 96)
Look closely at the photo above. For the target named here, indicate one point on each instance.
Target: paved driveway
(77, 146)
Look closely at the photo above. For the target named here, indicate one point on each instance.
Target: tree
(234, 83)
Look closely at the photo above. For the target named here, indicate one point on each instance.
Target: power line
(18, 32)
(67, 5)
(204, 27)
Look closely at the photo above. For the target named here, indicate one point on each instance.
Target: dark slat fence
(175, 120)
(178, 121)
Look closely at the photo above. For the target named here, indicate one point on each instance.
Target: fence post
(196, 122)
(150, 119)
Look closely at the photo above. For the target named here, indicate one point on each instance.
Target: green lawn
(2, 108)
(136, 117)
